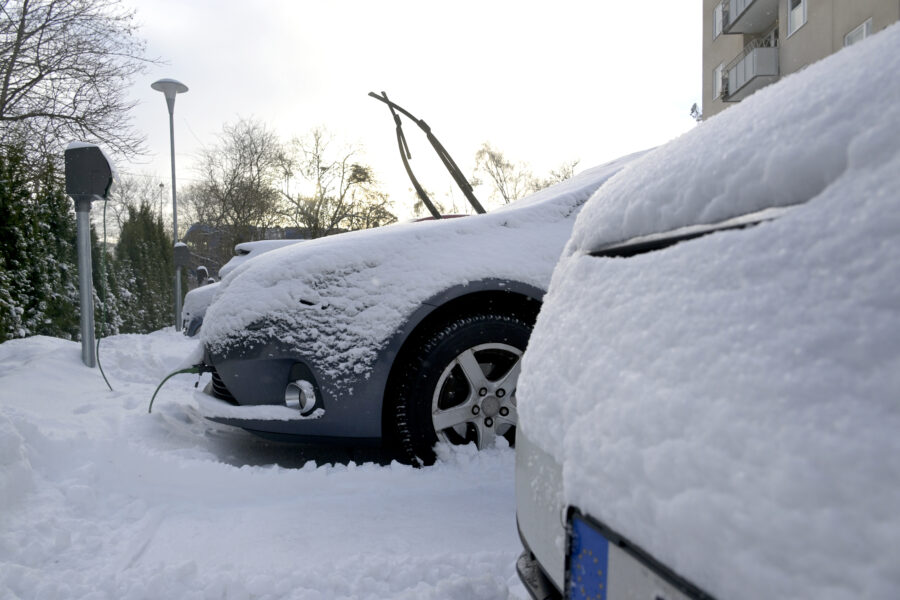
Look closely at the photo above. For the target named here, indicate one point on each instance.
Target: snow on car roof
(362, 286)
(262, 245)
(247, 250)
(731, 403)
(785, 145)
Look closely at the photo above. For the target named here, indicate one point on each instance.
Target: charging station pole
(85, 282)
(89, 177)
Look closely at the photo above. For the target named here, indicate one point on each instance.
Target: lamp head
(169, 87)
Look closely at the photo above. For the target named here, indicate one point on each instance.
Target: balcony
(748, 16)
(754, 68)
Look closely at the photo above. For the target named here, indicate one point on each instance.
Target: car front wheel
(459, 385)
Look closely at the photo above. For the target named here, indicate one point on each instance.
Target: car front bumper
(533, 577)
(540, 512)
(248, 391)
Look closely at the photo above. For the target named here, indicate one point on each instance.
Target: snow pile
(15, 469)
(731, 403)
(100, 500)
(338, 299)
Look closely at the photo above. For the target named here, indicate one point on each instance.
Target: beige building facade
(748, 44)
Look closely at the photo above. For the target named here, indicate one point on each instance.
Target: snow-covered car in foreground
(410, 333)
(198, 299)
(718, 417)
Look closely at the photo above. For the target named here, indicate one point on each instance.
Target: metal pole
(85, 282)
(170, 102)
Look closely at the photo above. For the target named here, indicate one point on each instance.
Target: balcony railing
(755, 67)
(748, 16)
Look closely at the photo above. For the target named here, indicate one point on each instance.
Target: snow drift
(99, 500)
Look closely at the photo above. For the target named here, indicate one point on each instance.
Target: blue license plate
(603, 565)
(588, 561)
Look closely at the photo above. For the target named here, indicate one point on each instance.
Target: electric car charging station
(89, 176)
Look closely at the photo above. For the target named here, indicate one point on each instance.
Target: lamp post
(161, 186)
(170, 88)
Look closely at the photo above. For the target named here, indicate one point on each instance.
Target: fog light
(300, 395)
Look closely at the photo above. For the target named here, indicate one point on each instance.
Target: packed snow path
(101, 500)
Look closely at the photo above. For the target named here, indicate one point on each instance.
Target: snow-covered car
(198, 299)
(196, 302)
(709, 402)
(407, 334)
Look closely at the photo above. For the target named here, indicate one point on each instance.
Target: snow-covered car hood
(361, 286)
(734, 408)
(198, 300)
(247, 250)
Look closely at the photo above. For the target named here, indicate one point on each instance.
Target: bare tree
(65, 66)
(419, 208)
(130, 192)
(511, 180)
(238, 180)
(371, 207)
(236, 196)
(341, 193)
(561, 173)
(449, 202)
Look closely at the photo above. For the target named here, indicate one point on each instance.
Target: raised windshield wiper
(442, 153)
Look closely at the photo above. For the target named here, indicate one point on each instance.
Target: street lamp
(170, 88)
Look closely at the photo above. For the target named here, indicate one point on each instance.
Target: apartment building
(748, 44)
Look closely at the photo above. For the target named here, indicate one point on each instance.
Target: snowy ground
(101, 500)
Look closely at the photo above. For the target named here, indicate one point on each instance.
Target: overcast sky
(544, 82)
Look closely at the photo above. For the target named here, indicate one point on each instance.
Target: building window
(717, 81)
(859, 34)
(717, 21)
(796, 15)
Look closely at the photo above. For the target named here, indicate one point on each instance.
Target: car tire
(458, 385)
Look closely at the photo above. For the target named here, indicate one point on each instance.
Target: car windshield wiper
(442, 153)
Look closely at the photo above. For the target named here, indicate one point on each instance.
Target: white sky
(544, 82)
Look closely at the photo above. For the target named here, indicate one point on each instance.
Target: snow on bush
(731, 403)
